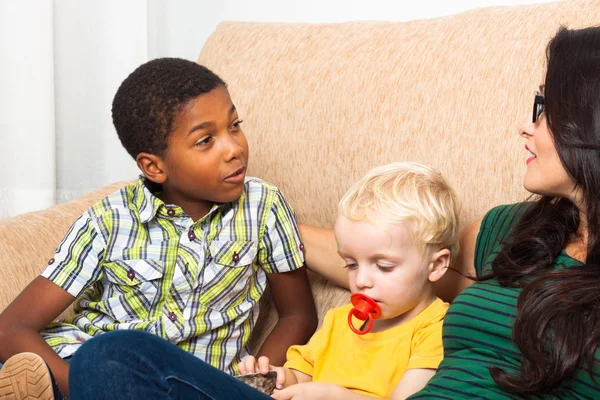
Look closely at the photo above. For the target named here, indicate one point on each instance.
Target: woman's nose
(526, 127)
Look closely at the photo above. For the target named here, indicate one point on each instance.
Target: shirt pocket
(132, 288)
(226, 276)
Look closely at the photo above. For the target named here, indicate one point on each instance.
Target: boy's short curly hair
(150, 98)
(407, 192)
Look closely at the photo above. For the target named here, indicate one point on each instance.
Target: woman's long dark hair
(557, 328)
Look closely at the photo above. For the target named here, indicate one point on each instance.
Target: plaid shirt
(135, 263)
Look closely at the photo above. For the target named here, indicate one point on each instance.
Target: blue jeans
(137, 365)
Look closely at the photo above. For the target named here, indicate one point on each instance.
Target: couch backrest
(322, 104)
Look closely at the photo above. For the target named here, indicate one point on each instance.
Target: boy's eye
(351, 265)
(385, 268)
(236, 124)
(204, 141)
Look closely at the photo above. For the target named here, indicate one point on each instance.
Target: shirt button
(236, 257)
(51, 261)
(173, 317)
(191, 236)
(170, 212)
(301, 247)
(131, 274)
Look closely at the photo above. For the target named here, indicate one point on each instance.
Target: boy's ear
(439, 263)
(152, 166)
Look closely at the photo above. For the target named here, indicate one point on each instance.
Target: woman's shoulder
(494, 231)
(504, 217)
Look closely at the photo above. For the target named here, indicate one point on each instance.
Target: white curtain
(60, 64)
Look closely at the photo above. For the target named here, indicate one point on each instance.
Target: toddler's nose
(363, 278)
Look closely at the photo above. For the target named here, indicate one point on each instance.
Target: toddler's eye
(384, 268)
(351, 265)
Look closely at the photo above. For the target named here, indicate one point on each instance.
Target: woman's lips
(531, 157)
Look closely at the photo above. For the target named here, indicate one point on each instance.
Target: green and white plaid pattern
(135, 263)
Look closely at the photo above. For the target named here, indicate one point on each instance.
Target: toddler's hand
(249, 365)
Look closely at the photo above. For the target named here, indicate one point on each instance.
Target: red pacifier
(365, 309)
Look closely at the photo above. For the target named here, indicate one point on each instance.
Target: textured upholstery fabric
(324, 103)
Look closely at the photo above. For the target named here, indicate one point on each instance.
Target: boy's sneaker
(25, 376)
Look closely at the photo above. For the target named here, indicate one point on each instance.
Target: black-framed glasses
(538, 106)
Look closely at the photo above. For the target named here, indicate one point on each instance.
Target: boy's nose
(232, 148)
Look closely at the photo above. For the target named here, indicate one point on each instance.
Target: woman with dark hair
(527, 319)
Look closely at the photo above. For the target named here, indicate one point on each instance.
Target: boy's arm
(297, 314)
(21, 322)
(320, 251)
(73, 268)
(280, 255)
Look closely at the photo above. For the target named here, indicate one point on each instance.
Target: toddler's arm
(412, 381)
(318, 391)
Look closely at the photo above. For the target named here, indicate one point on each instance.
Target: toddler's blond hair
(407, 192)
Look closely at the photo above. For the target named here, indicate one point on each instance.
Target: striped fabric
(477, 330)
(135, 263)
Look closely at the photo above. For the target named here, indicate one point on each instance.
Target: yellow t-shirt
(370, 364)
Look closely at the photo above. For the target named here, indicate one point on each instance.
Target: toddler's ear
(152, 167)
(440, 261)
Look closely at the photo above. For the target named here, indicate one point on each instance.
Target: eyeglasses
(538, 106)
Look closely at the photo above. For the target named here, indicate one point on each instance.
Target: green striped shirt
(477, 331)
(133, 262)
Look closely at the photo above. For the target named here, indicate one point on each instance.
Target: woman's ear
(438, 264)
(152, 166)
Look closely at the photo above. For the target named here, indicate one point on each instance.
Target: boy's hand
(250, 365)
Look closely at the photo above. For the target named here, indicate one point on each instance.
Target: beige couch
(322, 104)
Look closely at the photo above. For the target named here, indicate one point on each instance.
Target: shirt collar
(145, 200)
(149, 205)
